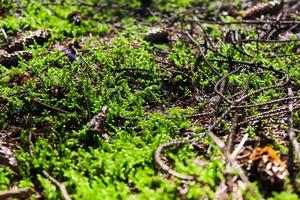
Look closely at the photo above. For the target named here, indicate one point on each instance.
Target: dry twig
(292, 136)
(239, 147)
(165, 167)
(16, 193)
(48, 106)
(202, 55)
(60, 186)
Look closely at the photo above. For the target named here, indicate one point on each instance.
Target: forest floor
(170, 99)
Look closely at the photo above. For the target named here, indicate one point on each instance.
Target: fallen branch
(16, 193)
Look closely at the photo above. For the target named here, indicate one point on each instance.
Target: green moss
(151, 90)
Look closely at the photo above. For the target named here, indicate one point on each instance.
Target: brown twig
(268, 41)
(250, 64)
(223, 149)
(291, 132)
(235, 126)
(221, 84)
(60, 186)
(267, 103)
(249, 22)
(199, 115)
(294, 149)
(16, 193)
(276, 85)
(17, 93)
(268, 114)
(202, 55)
(166, 168)
(234, 43)
(48, 106)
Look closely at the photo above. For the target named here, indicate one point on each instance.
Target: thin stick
(233, 132)
(267, 103)
(221, 117)
(51, 63)
(48, 106)
(235, 125)
(17, 93)
(4, 34)
(259, 91)
(203, 56)
(268, 114)
(222, 82)
(293, 145)
(60, 186)
(16, 193)
(269, 41)
(199, 115)
(165, 167)
(291, 132)
(239, 147)
(251, 22)
(223, 149)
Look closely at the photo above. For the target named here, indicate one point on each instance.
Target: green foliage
(284, 195)
(50, 189)
(5, 177)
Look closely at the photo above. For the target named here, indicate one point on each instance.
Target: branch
(203, 56)
(165, 167)
(16, 193)
(291, 132)
(240, 146)
(60, 186)
(48, 106)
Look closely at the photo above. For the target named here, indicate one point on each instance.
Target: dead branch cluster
(236, 105)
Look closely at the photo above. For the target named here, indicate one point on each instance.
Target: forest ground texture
(178, 99)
